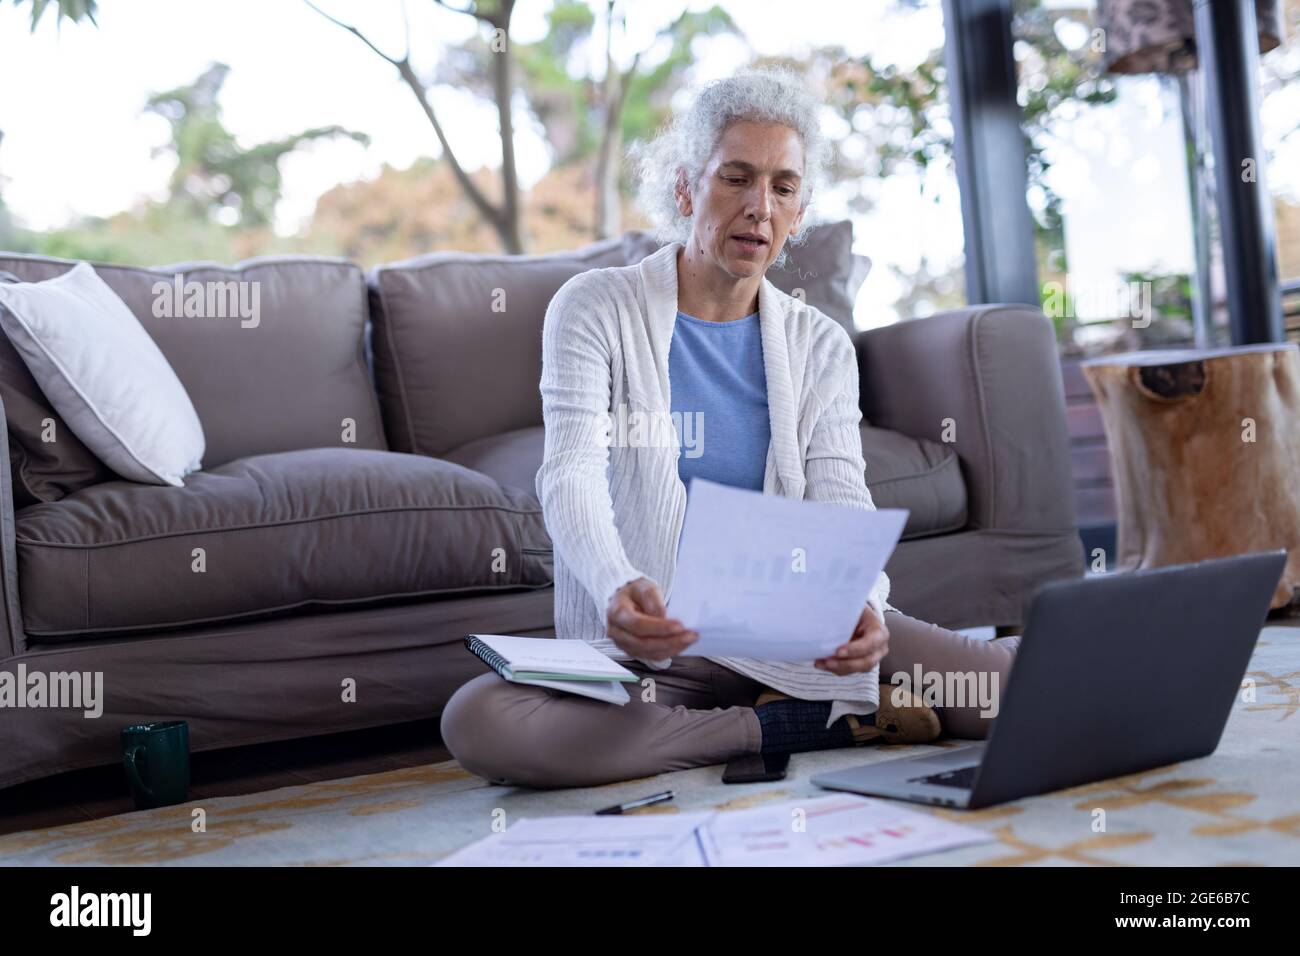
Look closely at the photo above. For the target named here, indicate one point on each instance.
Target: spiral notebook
(572, 666)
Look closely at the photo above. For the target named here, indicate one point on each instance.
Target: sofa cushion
(98, 366)
(824, 271)
(920, 475)
(511, 458)
(458, 336)
(285, 378)
(913, 473)
(46, 459)
(458, 341)
(272, 533)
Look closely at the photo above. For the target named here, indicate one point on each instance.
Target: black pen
(643, 802)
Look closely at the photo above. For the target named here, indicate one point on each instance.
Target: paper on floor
(648, 839)
(838, 830)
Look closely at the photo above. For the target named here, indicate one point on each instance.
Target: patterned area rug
(1238, 807)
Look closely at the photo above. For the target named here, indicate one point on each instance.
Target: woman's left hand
(865, 649)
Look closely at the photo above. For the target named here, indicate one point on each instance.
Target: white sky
(76, 142)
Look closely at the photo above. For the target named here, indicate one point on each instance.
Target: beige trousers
(701, 714)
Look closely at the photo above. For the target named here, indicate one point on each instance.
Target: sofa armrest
(994, 371)
(11, 618)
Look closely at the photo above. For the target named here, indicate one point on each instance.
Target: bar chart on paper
(830, 831)
(774, 578)
(634, 840)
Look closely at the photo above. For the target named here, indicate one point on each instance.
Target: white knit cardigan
(615, 513)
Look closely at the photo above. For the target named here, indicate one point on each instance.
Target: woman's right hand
(637, 623)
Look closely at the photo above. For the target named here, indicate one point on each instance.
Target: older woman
(696, 331)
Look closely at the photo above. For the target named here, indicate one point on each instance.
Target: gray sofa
(367, 495)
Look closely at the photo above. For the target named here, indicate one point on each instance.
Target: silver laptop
(1116, 674)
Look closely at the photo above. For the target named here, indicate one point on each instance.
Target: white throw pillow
(103, 373)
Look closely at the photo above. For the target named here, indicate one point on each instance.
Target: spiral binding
(488, 656)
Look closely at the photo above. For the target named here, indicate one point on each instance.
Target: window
(1108, 187)
(1280, 131)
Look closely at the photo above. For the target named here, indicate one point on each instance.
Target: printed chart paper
(652, 839)
(771, 578)
(829, 831)
(837, 830)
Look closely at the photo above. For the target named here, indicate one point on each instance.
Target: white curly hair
(767, 95)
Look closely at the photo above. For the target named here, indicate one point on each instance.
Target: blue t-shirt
(719, 400)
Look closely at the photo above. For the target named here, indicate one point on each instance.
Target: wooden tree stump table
(1204, 453)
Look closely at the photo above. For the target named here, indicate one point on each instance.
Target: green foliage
(649, 92)
(567, 100)
(1171, 293)
(560, 102)
(73, 10)
(898, 119)
(913, 103)
(151, 234)
(213, 173)
(906, 111)
(1060, 310)
(1053, 80)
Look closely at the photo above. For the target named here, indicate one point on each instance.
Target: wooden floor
(102, 791)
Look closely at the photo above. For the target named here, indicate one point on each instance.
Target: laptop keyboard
(961, 777)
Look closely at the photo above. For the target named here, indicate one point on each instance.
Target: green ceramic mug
(157, 762)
